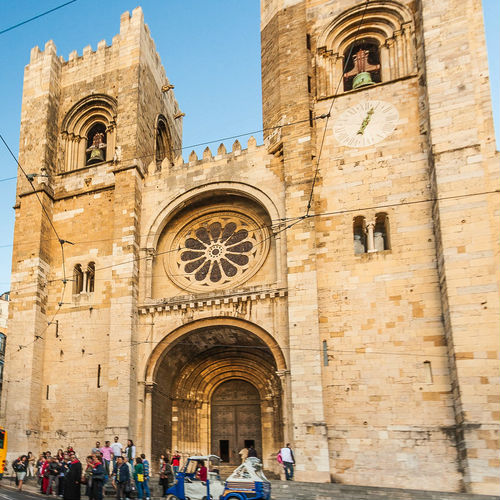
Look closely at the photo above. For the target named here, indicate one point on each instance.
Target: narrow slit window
(428, 372)
(325, 353)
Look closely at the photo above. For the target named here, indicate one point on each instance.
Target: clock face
(365, 123)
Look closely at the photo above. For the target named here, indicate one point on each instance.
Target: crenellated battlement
(222, 155)
(132, 28)
(109, 70)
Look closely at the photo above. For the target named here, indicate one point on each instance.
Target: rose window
(218, 250)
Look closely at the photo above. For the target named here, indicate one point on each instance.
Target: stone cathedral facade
(215, 303)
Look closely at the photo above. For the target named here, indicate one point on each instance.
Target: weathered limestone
(364, 312)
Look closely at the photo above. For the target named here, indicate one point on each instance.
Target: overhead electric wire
(292, 221)
(296, 219)
(38, 16)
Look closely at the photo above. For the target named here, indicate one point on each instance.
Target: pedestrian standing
(44, 472)
(121, 479)
(243, 453)
(288, 461)
(73, 479)
(145, 465)
(41, 460)
(176, 461)
(54, 470)
(63, 469)
(107, 453)
(116, 448)
(31, 464)
(166, 476)
(139, 477)
(252, 452)
(21, 467)
(97, 478)
(87, 475)
(130, 451)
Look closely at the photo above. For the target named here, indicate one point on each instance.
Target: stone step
(293, 490)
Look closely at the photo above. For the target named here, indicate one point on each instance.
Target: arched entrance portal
(215, 388)
(235, 421)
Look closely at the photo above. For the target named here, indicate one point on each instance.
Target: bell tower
(387, 148)
(90, 127)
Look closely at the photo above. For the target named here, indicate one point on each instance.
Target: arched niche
(224, 213)
(95, 114)
(192, 365)
(387, 25)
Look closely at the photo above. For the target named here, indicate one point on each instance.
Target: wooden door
(236, 419)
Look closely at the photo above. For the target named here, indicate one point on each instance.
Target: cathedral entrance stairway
(294, 490)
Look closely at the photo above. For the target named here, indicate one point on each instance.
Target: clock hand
(366, 121)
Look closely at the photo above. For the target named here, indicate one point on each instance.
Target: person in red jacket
(176, 461)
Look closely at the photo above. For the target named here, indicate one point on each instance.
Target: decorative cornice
(210, 301)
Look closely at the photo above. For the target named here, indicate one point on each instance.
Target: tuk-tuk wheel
(207, 498)
(172, 497)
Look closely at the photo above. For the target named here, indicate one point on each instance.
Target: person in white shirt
(116, 449)
(288, 461)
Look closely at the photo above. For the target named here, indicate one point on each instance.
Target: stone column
(148, 414)
(370, 243)
(148, 282)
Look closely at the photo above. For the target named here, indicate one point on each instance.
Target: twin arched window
(83, 280)
(372, 236)
(365, 45)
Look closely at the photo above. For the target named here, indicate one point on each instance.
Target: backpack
(279, 458)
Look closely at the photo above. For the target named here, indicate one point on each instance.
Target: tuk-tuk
(189, 487)
(247, 482)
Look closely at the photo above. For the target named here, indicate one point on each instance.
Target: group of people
(63, 474)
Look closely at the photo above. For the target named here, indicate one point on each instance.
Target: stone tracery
(217, 250)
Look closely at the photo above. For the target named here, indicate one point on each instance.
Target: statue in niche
(97, 149)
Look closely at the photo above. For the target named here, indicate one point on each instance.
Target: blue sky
(210, 50)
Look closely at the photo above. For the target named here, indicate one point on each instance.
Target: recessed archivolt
(97, 110)
(387, 26)
(97, 107)
(199, 380)
(256, 335)
(381, 20)
(227, 189)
